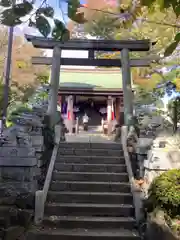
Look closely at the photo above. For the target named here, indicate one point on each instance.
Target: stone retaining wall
(21, 152)
(157, 228)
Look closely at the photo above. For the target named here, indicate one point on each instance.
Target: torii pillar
(127, 89)
(54, 86)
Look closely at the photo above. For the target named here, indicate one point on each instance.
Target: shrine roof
(91, 78)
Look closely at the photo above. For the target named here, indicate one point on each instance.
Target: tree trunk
(175, 119)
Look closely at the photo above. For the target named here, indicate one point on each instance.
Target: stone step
(90, 176)
(81, 145)
(89, 152)
(76, 167)
(91, 159)
(70, 222)
(83, 234)
(87, 209)
(85, 186)
(4, 210)
(4, 222)
(90, 197)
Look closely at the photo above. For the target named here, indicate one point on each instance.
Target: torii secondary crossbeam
(90, 62)
(125, 63)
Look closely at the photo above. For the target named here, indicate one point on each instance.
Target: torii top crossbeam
(97, 45)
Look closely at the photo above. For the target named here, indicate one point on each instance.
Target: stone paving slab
(91, 136)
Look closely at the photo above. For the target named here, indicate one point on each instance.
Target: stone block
(24, 218)
(174, 158)
(36, 131)
(17, 156)
(18, 151)
(25, 174)
(158, 160)
(12, 233)
(157, 228)
(18, 161)
(143, 145)
(37, 140)
(13, 189)
(25, 200)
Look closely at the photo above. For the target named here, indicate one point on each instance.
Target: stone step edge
(91, 205)
(92, 183)
(92, 164)
(91, 173)
(89, 219)
(90, 156)
(118, 232)
(80, 193)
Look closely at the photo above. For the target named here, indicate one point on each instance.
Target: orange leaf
(79, 18)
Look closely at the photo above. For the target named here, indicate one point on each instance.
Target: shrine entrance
(125, 63)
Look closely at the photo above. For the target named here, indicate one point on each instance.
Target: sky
(24, 29)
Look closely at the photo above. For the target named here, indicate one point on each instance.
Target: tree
(127, 12)
(12, 95)
(24, 76)
(169, 87)
(38, 17)
(3, 46)
(165, 5)
(144, 97)
(104, 27)
(174, 112)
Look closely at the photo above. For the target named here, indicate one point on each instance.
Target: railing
(41, 195)
(134, 189)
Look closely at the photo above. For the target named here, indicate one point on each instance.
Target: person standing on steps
(85, 122)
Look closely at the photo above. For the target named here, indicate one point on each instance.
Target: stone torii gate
(125, 46)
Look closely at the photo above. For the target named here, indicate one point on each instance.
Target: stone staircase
(89, 196)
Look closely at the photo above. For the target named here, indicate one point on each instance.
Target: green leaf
(22, 9)
(176, 8)
(73, 5)
(58, 30)
(170, 49)
(8, 18)
(56, 33)
(177, 37)
(47, 11)
(73, 13)
(6, 3)
(43, 25)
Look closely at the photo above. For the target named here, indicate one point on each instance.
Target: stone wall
(21, 164)
(157, 228)
(160, 158)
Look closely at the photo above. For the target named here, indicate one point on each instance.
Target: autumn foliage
(24, 76)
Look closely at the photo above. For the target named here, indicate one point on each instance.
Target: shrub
(17, 112)
(164, 192)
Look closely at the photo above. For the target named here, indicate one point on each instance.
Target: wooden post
(54, 85)
(127, 90)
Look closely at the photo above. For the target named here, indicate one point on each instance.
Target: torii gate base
(91, 45)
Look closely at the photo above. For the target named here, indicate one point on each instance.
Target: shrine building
(92, 91)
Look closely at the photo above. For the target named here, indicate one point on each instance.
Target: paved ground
(93, 135)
